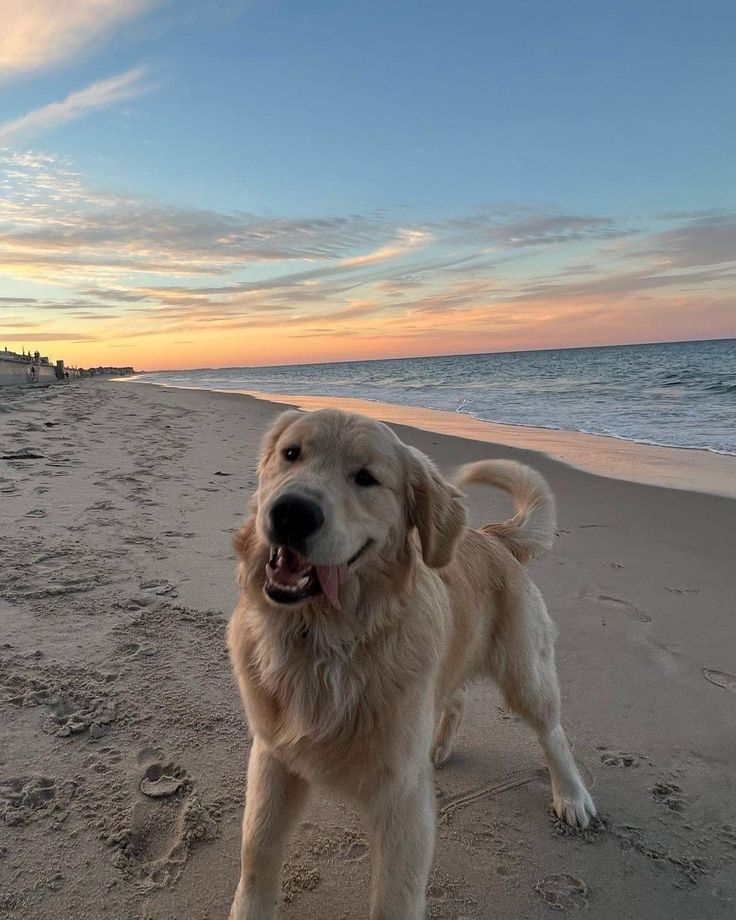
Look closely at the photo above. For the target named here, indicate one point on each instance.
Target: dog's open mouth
(291, 578)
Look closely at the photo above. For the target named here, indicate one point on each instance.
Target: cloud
(31, 331)
(120, 268)
(355, 310)
(55, 227)
(707, 239)
(620, 284)
(99, 95)
(519, 228)
(39, 34)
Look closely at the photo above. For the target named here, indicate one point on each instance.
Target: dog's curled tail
(532, 529)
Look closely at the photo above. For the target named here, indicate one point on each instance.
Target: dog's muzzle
(290, 578)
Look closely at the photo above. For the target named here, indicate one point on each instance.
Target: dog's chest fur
(321, 686)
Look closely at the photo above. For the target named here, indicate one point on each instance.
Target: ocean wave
(672, 395)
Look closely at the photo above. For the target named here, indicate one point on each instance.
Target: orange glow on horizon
(510, 327)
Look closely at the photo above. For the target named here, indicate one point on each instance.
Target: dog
(367, 605)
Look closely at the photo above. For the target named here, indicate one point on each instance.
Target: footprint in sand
(160, 588)
(298, 878)
(562, 892)
(22, 798)
(160, 779)
(355, 852)
(720, 679)
(35, 792)
(155, 839)
(618, 758)
(669, 794)
(102, 506)
(105, 758)
(132, 650)
(449, 900)
(624, 607)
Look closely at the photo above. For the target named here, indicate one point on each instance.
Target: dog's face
(336, 493)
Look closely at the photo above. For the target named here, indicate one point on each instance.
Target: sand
(122, 742)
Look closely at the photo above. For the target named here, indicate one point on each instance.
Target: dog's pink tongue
(332, 578)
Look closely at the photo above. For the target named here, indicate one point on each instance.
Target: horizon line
(462, 354)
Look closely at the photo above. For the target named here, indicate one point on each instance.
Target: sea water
(680, 394)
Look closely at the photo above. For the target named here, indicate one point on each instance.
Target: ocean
(680, 394)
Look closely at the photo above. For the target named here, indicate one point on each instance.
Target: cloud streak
(49, 117)
(211, 287)
(39, 34)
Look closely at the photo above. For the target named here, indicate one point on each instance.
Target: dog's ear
(277, 429)
(435, 509)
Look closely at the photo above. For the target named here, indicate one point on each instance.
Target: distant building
(26, 368)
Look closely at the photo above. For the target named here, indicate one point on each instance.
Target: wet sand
(649, 464)
(122, 742)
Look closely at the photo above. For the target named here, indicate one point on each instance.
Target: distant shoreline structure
(34, 368)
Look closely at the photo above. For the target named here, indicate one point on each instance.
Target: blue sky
(275, 105)
(595, 122)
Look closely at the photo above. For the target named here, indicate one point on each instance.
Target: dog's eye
(364, 478)
(291, 453)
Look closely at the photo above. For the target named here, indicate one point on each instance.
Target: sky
(189, 183)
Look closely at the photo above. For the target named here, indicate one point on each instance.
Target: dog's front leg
(274, 799)
(403, 821)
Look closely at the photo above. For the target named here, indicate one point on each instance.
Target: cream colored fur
(362, 701)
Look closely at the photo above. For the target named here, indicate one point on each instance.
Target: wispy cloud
(114, 269)
(40, 34)
(55, 227)
(704, 240)
(99, 95)
(519, 227)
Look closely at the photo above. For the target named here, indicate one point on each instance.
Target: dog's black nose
(294, 518)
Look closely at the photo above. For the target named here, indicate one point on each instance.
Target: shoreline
(681, 468)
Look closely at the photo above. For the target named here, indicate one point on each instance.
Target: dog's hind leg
(449, 721)
(523, 663)
(274, 800)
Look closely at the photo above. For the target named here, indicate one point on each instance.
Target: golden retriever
(367, 605)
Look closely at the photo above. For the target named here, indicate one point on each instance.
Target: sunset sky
(188, 183)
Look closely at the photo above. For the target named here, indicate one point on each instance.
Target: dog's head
(339, 493)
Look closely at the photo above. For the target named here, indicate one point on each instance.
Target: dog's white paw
(441, 752)
(576, 809)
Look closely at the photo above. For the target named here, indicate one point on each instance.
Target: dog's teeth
(302, 583)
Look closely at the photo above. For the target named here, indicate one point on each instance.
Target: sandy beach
(122, 741)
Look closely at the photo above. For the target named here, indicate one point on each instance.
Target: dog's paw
(576, 809)
(441, 752)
